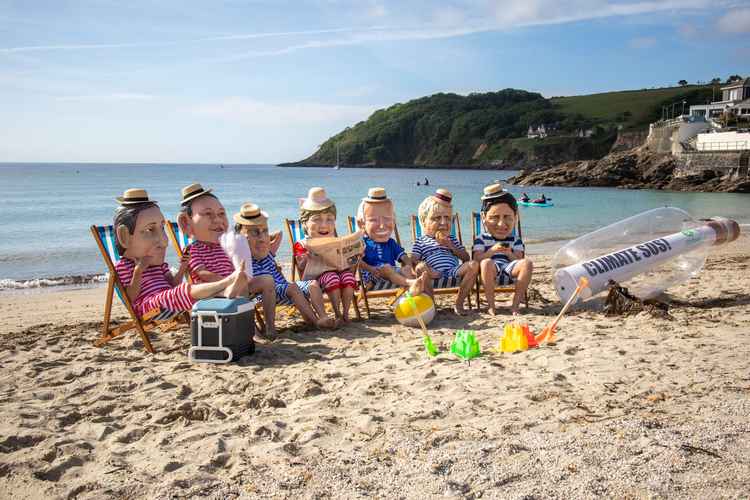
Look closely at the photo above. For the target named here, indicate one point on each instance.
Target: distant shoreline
(401, 165)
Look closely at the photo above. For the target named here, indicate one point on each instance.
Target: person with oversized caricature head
(317, 215)
(500, 252)
(203, 218)
(142, 243)
(438, 252)
(306, 295)
(380, 270)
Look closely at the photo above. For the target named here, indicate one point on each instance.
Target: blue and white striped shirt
(435, 255)
(485, 241)
(267, 265)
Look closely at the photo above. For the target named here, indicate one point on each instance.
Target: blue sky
(260, 81)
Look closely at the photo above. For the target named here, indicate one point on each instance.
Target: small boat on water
(536, 204)
(337, 166)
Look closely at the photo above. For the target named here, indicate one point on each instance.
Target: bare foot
(417, 286)
(345, 318)
(515, 312)
(491, 311)
(459, 310)
(327, 323)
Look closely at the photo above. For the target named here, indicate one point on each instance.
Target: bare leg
(489, 275)
(423, 269)
(301, 303)
(264, 285)
(316, 298)
(347, 294)
(335, 296)
(205, 290)
(522, 275)
(468, 273)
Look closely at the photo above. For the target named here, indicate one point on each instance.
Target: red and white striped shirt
(206, 256)
(153, 280)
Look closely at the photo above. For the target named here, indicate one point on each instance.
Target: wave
(81, 280)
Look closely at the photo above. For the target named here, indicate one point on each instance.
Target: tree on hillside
(682, 83)
(715, 81)
(734, 78)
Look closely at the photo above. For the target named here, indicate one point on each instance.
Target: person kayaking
(426, 181)
(525, 198)
(541, 200)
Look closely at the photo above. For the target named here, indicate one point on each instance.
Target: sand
(625, 407)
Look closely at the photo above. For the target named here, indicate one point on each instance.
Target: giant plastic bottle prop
(648, 253)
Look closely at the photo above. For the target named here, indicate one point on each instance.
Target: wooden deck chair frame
(294, 233)
(151, 320)
(179, 241)
(393, 293)
(455, 232)
(476, 229)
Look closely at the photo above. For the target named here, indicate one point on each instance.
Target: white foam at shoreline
(11, 284)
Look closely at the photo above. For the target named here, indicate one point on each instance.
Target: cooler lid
(222, 305)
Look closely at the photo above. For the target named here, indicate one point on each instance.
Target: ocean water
(46, 209)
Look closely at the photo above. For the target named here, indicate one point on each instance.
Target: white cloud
(735, 21)
(262, 114)
(642, 42)
(122, 96)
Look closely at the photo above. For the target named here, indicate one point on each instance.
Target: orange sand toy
(548, 333)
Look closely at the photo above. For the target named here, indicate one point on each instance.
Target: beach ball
(405, 312)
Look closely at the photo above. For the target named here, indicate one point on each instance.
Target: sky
(267, 81)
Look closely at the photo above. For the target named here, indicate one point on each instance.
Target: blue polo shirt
(378, 254)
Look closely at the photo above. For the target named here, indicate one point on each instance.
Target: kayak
(532, 204)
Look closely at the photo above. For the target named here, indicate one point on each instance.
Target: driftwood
(620, 302)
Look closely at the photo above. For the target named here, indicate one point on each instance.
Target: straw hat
(192, 191)
(317, 199)
(376, 195)
(493, 191)
(250, 214)
(443, 196)
(134, 197)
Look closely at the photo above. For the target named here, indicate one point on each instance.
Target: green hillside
(633, 108)
(490, 128)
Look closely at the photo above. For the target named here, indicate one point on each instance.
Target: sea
(46, 210)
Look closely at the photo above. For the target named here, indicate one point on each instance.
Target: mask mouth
(323, 233)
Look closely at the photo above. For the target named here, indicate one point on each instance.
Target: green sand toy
(465, 345)
(432, 351)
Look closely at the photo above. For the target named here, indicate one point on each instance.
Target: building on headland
(537, 133)
(735, 99)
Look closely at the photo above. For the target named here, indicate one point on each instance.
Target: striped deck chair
(180, 240)
(477, 229)
(295, 233)
(382, 288)
(442, 286)
(165, 320)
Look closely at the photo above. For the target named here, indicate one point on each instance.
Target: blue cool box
(222, 330)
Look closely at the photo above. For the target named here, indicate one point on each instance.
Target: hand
(500, 248)
(276, 238)
(184, 265)
(377, 272)
(444, 240)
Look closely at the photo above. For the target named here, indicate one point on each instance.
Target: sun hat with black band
(250, 214)
(493, 191)
(192, 191)
(376, 195)
(134, 196)
(443, 196)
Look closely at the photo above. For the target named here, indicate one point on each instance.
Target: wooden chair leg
(366, 301)
(108, 309)
(356, 307)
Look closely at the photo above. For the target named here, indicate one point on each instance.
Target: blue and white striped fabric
(436, 256)
(446, 282)
(182, 238)
(282, 297)
(298, 233)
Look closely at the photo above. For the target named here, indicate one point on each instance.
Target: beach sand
(626, 407)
